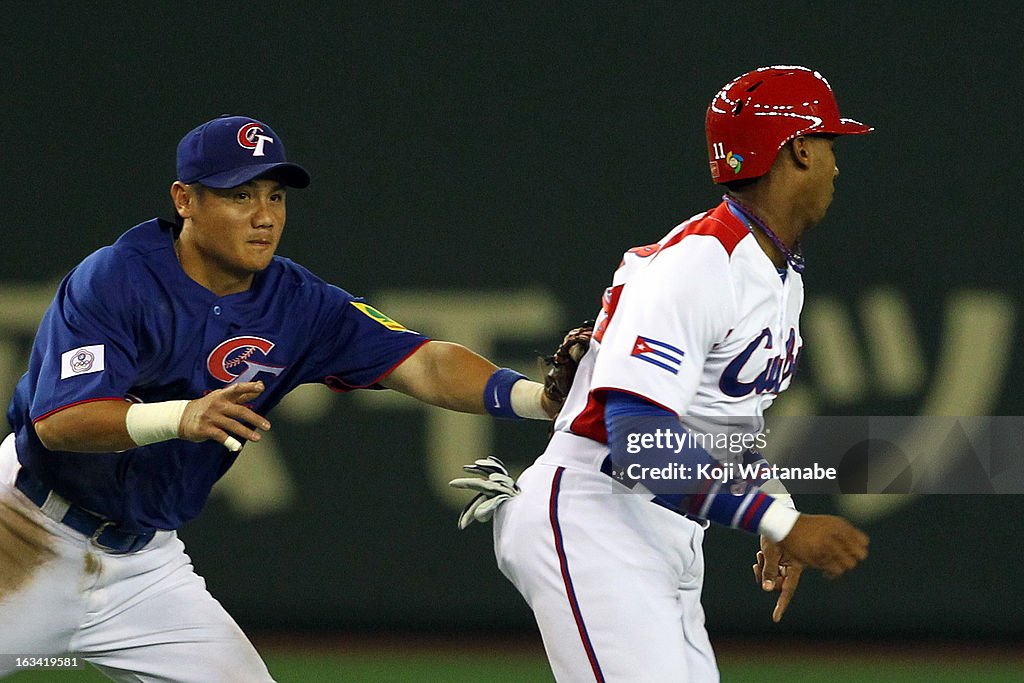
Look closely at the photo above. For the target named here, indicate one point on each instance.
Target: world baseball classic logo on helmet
(239, 359)
(250, 137)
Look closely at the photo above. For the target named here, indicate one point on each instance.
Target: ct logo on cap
(249, 137)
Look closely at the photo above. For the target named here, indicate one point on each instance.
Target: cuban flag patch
(665, 356)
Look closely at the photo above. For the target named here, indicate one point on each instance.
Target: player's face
(236, 231)
(824, 174)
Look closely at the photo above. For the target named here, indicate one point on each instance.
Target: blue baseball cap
(231, 150)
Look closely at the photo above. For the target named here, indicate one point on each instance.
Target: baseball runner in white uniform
(698, 329)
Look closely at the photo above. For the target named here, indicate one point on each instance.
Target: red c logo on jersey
(230, 363)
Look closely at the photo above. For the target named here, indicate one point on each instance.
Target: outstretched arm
(451, 376)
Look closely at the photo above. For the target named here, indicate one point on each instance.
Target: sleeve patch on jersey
(81, 361)
(379, 317)
(665, 356)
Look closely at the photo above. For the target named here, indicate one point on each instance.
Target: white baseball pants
(144, 616)
(614, 580)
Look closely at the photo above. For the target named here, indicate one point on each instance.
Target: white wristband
(152, 422)
(527, 400)
(784, 498)
(777, 521)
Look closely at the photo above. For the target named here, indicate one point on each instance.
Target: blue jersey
(129, 324)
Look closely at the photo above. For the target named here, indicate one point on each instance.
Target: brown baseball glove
(562, 364)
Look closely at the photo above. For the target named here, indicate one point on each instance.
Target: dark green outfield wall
(477, 173)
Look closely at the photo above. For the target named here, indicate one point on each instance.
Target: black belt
(608, 468)
(102, 532)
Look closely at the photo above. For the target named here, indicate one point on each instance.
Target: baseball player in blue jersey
(698, 334)
(160, 356)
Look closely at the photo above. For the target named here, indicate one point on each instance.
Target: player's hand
(222, 416)
(493, 489)
(775, 571)
(562, 365)
(826, 542)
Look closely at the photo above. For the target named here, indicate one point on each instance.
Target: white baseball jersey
(702, 324)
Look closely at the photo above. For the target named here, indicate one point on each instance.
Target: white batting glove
(492, 491)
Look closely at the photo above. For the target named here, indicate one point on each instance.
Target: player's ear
(800, 151)
(184, 198)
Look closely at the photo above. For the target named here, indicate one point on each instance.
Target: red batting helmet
(753, 116)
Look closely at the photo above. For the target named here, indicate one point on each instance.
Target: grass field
(368, 662)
